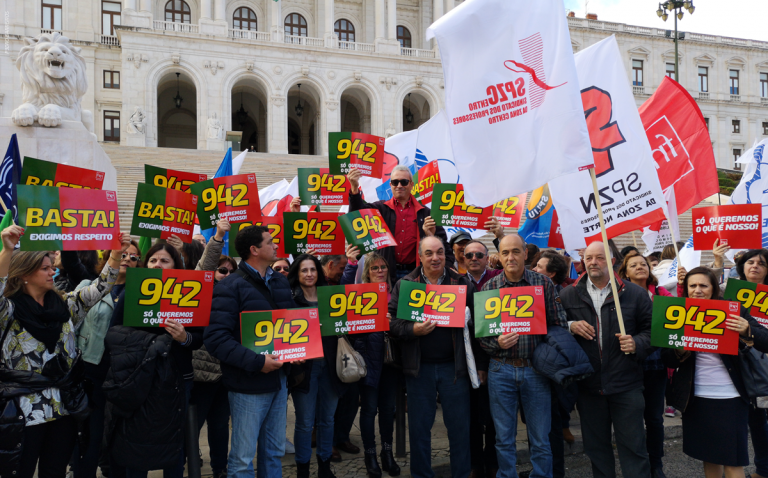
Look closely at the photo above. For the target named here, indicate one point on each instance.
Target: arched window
(177, 11)
(404, 37)
(295, 25)
(244, 19)
(344, 30)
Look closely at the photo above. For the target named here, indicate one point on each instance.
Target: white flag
(626, 173)
(512, 96)
(668, 230)
(689, 258)
(434, 144)
(753, 187)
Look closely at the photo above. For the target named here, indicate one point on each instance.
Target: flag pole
(634, 239)
(5, 209)
(614, 289)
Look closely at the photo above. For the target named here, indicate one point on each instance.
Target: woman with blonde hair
(41, 367)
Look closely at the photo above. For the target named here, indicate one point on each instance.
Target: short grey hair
(401, 167)
(425, 238)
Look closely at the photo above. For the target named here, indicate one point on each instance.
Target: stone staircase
(270, 168)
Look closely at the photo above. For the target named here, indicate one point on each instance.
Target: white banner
(753, 187)
(626, 175)
(512, 96)
(434, 144)
(669, 228)
(689, 259)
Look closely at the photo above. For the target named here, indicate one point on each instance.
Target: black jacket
(146, 391)
(386, 208)
(680, 391)
(241, 367)
(181, 353)
(615, 371)
(410, 343)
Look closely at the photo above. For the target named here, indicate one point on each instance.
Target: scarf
(44, 322)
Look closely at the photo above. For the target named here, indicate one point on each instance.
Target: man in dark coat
(257, 383)
(613, 395)
(407, 220)
(434, 361)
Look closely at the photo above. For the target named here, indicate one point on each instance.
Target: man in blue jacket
(257, 383)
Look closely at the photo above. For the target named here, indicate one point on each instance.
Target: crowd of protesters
(80, 390)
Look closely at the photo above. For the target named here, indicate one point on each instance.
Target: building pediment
(706, 58)
(670, 55)
(639, 51)
(736, 62)
(762, 65)
(576, 46)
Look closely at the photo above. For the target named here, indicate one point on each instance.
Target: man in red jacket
(406, 219)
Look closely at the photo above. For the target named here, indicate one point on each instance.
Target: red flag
(682, 149)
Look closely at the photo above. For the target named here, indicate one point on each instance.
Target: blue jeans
(422, 407)
(509, 387)
(212, 402)
(758, 428)
(321, 400)
(258, 422)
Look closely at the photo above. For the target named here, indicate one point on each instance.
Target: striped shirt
(527, 343)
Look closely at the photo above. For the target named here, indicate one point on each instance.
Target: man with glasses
(476, 260)
(406, 219)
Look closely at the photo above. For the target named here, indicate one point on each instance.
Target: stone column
(277, 124)
(146, 6)
(220, 10)
(136, 13)
(129, 5)
(380, 19)
(392, 20)
(205, 10)
(366, 124)
(437, 12)
(327, 30)
(449, 4)
(276, 27)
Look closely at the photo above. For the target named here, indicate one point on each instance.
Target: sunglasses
(280, 269)
(400, 182)
(379, 268)
(473, 255)
(223, 271)
(134, 258)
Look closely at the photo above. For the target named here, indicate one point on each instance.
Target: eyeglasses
(223, 271)
(379, 268)
(400, 182)
(280, 269)
(134, 258)
(473, 255)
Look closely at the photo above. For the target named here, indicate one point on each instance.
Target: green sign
(352, 308)
(367, 230)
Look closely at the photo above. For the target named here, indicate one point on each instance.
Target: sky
(734, 18)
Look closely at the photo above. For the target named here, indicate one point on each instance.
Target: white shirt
(712, 379)
(598, 297)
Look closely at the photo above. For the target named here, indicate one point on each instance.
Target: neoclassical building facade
(285, 73)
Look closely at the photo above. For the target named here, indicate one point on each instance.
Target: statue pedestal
(69, 143)
(216, 144)
(136, 139)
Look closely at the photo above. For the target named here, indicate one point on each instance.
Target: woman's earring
(26, 282)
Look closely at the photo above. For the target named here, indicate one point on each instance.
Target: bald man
(512, 381)
(435, 361)
(614, 393)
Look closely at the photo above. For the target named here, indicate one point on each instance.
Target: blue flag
(225, 169)
(10, 176)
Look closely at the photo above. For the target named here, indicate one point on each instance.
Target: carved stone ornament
(419, 81)
(331, 75)
(278, 100)
(137, 59)
(305, 70)
(176, 59)
(358, 75)
(332, 104)
(388, 81)
(278, 70)
(214, 66)
(249, 65)
(136, 123)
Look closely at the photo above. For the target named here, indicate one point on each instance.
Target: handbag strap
(2, 341)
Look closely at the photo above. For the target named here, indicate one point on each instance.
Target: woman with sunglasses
(282, 266)
(316, 397)
(90, 340)
(379, 387)
(227, 265)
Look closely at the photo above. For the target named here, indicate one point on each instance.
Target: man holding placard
(512, 381)
(614, 393)
(257, 383)
(434, 358)
(405, 217)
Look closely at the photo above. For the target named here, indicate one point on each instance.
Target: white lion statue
(53, 78)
